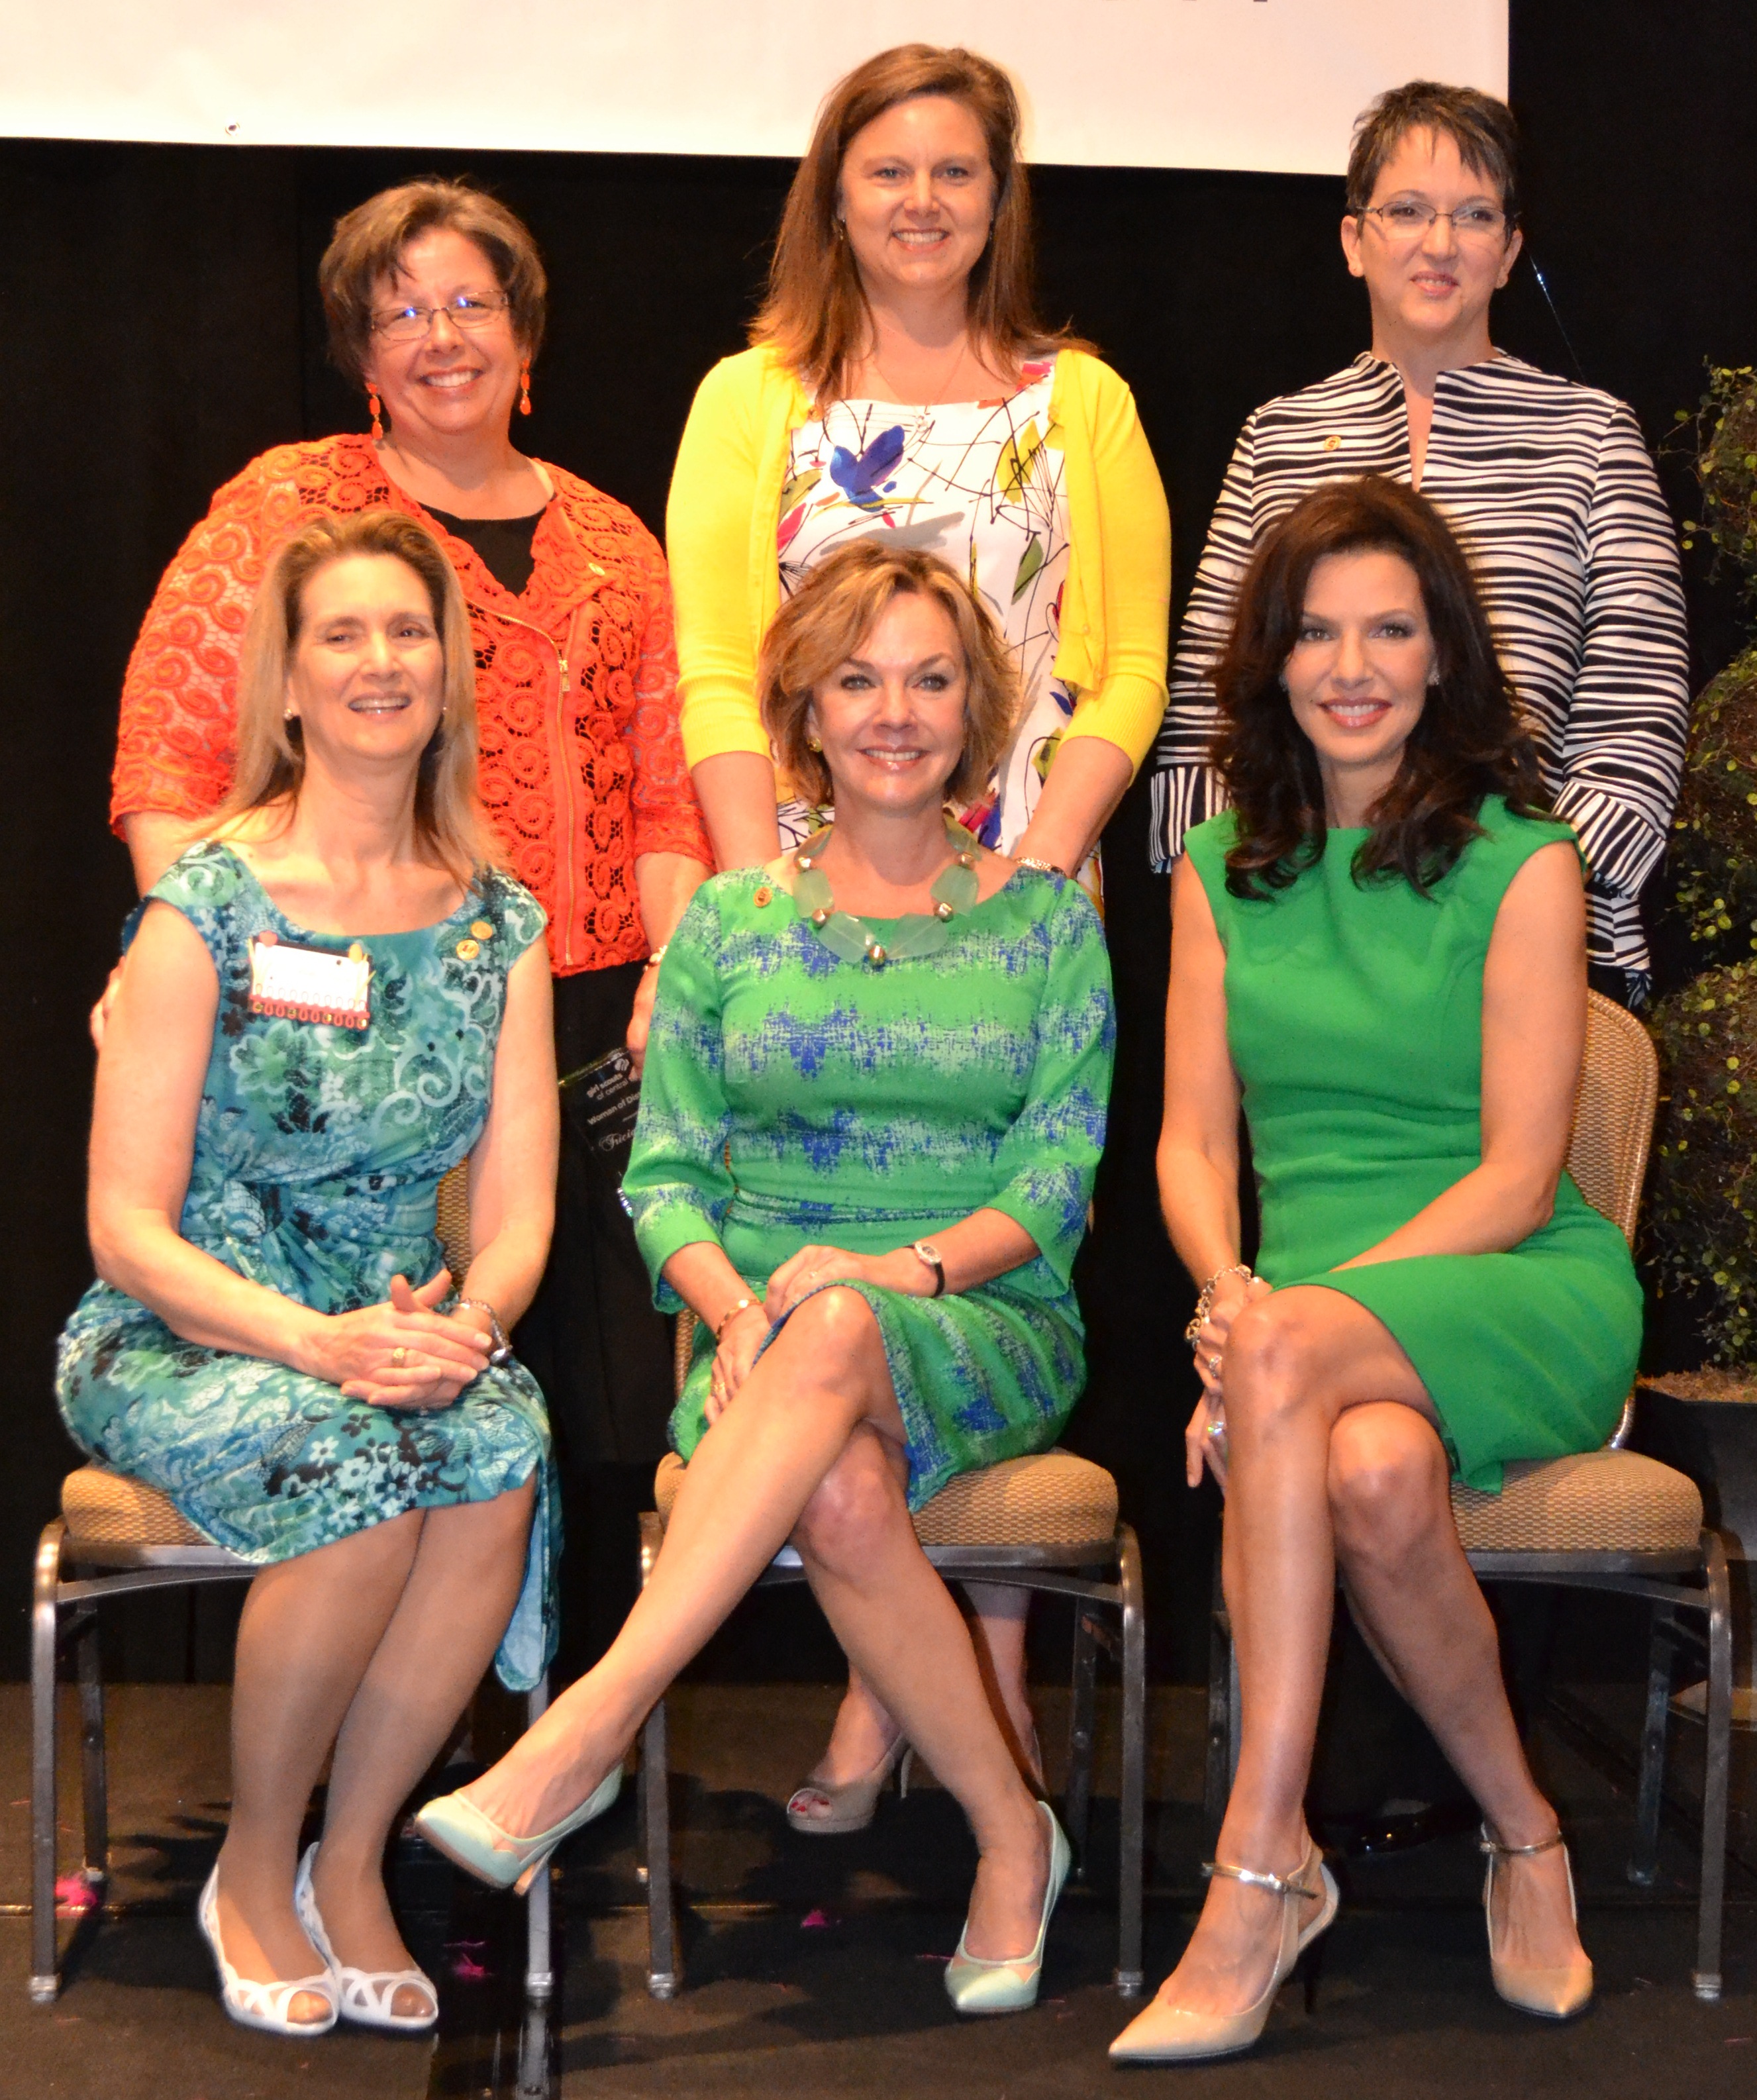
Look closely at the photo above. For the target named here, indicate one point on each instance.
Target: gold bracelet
(1205, 1297)
(730, 1315)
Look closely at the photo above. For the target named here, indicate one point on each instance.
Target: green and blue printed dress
(791, 1098)
(318, 1154)
(1354, 1019)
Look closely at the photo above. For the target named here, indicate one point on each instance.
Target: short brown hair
(815, 312)
(270, 769)
(1483, 130)
(828, 617)
(1468, 743)
(370, 241)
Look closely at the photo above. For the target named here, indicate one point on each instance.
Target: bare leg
(908, 1639)
(1296, 1361)
(746, 1486)
(1411, 1587)
(454, 1608)
(309, 1630)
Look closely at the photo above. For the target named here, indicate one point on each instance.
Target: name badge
(310, 984)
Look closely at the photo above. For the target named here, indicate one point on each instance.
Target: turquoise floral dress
(791, 1096)
(318, 1154)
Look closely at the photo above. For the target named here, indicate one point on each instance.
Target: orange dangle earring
(371, 403)
(524, 390)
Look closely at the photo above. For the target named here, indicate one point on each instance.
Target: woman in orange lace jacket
(434, 296)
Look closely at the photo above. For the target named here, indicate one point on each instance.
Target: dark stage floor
(813, 1967)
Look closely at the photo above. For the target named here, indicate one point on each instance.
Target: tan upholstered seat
(1051, 1499)
(109, 1509)
(1600, 1502)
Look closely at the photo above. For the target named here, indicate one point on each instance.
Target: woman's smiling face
(1357, 676)
(891, 718)
(917, 196)
(366, 676)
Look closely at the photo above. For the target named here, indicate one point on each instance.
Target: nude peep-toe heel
(367, 1996)
(1552, 1994)
(855, 1803)
(1163, 2033)
(253, 2003)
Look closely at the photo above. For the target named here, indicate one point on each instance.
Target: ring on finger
(1217, 1430)
(398, 1356)
(1214, 1365)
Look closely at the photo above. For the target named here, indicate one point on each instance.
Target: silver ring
(1214, 1365)
(1215, 1430)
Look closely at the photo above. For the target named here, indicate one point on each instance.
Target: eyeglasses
(1408, 220)
(408, 324)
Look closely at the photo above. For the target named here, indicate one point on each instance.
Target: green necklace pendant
(918, 933)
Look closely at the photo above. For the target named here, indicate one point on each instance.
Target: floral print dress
(790, 1096)
(318, 1151)
(979, 483)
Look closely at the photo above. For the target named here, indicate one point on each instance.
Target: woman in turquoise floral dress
(328, 1002)
(873, 1104)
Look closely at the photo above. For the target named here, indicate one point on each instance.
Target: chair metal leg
(1643, 1860)
(1217, 1775)
(44, 1980)
(662, 1970)
(1706, 1978)
(1130, 1976)
(539, 1960)
(1076, 1802)
(93, 1768)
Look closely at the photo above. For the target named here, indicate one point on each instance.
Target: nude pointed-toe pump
(1552, 1994)
(1166, 2034)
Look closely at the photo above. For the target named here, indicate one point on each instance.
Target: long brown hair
(828, 617)
(815, 315)
(1469, 741)
(271, 771)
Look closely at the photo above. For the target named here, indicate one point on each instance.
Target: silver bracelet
(1205, 1297)
(1042, 867)
(502, 1349)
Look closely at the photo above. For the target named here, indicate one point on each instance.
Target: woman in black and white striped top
(1548, 485)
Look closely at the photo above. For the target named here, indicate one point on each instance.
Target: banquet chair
(1044, 1522)
(114, 1536)
(1610, 1519)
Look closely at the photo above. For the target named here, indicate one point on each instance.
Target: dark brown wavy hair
(1468, 743)
(815, 315)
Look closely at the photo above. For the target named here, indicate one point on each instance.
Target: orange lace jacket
(582, 767)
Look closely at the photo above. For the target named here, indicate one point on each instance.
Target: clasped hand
(745, 1333)
(1205, 1437)
(403, 1353)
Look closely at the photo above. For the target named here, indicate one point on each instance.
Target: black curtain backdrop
(161, 327)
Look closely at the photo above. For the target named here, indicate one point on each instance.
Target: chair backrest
(1614, 1115)
(453, 1223)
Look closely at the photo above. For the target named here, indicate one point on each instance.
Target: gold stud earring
(813, 744)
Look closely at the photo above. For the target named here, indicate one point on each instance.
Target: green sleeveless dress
(1354, 1018)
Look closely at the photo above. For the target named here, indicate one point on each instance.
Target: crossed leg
(1335, 1458)
(821, 1393)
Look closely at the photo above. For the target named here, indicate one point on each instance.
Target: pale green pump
(976, 1985)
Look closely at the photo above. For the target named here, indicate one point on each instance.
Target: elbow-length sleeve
(677, 1186)
(708, 536)
(1184, 791)
(1050, 1156)
(667, 819)
(175, 746)
(1622, 751)
(1128, 704)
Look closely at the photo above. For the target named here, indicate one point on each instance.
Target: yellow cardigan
(724, 507)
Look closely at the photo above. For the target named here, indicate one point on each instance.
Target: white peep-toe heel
(367, 1997)
(258, 2005)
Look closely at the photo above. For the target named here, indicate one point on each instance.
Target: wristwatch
(925, 1251)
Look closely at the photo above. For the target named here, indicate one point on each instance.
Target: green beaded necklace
(918, 933)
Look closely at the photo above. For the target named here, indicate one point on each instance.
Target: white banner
(1264, 84)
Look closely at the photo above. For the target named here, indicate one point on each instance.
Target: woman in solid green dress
(872, 1108)
(1378, 953)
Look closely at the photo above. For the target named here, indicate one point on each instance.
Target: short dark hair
(1484, 130)
(370, 241)
(828, 617)
(1469, 742)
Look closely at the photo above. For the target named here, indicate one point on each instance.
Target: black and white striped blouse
(1550, 487)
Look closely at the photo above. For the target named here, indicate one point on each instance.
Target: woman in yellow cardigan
(900, 384)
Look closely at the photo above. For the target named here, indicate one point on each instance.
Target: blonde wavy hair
(271, 768)
(828, 617)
